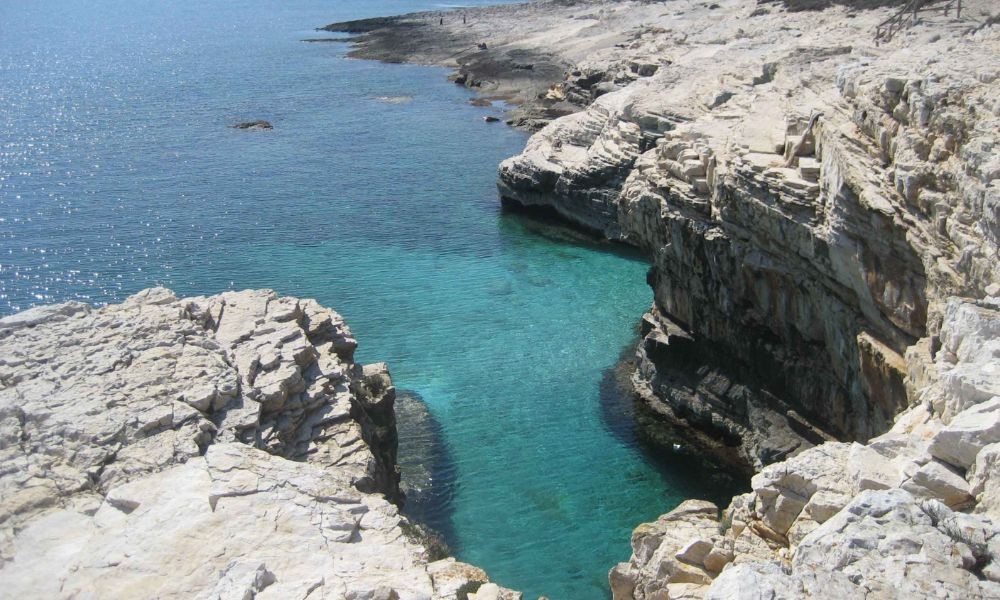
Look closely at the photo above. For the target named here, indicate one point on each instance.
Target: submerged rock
(394, 99)
(253, 125)
(222, 446)
(342, 39)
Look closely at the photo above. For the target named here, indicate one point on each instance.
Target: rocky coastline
(911, 514)
(211, 447)
(516, 53)
(806, 210)
(821, 216)
(821, 213)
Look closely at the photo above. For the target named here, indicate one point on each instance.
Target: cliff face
(808, 200)
(912, 514)
(213, 447)
(821, 215)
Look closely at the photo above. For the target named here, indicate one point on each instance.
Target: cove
(119, 172)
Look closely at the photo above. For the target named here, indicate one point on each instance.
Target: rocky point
(212, 447)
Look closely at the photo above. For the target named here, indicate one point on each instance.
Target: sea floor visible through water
(375, 194)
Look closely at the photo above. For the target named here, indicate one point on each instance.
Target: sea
(375, 194)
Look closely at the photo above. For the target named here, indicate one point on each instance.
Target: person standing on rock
(441, 21)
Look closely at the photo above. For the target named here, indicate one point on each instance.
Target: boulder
(675, 548)
(969, 431)
(984, 481)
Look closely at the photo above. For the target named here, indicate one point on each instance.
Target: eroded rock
(857, 521)
(212, 447)
(802, 240)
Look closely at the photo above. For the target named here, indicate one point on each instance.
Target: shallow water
(118, 171)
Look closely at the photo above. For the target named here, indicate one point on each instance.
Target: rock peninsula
(515, 52)
(821, 209)
(212, 447)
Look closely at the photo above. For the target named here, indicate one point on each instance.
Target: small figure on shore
(441, 21)
(463, 18)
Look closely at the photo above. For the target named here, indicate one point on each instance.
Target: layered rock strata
(821, 214)
(809, 201)
(912, 514)
(211, 447)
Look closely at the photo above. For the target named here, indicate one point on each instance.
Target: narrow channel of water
(374, 194)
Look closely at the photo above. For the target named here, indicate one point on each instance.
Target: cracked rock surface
(912, 514)
(211, 447)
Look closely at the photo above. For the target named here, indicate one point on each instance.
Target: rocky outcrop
(259, 125)
(520, 52)
(912, 514)
(821, 217)
(211, 447)
(809, 201)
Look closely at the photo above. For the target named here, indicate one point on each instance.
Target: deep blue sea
(118, 171)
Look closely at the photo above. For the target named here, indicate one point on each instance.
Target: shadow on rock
(688, 472)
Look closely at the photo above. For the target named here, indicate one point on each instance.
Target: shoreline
(760, 156)
(487, 53)
(148, 436)
(580, 72)
(820, 217)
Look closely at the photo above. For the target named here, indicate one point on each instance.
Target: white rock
(969, 431)
(487, 591)
(985, 481)
(118, 482)
(667, 552)
(936, 481)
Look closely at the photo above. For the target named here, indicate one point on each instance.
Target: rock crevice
(846, 520)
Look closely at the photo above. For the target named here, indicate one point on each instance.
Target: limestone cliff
(912, 514)
(821, 213)
(212, 447)
(809, 200)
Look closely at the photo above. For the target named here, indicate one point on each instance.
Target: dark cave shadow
(548, 224)
(691, 475)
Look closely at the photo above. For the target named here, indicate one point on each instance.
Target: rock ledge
(211, 447)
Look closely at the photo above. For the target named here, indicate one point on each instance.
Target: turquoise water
(118, 171)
